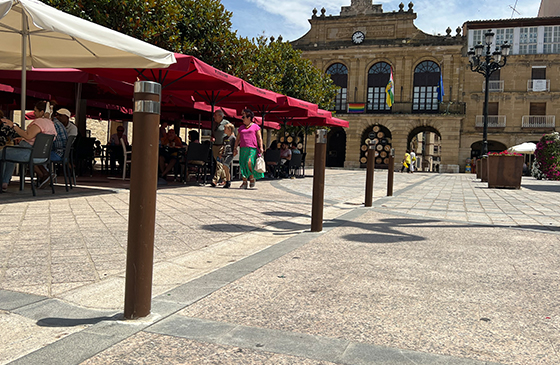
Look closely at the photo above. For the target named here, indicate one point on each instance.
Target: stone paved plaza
(446, 271)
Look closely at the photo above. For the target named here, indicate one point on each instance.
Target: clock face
(358, 37)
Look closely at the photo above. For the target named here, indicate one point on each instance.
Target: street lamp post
(485, 62)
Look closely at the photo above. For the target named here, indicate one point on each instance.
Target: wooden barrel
(378, 160)
(281, 139)
(376, 140)
(376, 153)
(383, 154)
(380, 134)
(363, 159)
(364, 147)
(386, 161)
(300, 146)
(379, 147)
(290, 139)
(387, 148)
(376, 128)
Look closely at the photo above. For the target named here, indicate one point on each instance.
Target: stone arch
(425, 79)
(336, 147)
(383, 140)
(338, 72)
(425, 140)
(493, 146)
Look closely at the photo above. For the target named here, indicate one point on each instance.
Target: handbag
(260, 165)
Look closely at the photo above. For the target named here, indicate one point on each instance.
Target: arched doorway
(425, 141)
(426, 82)
(336, 147)
(383, 139)
(493, 146)
(378, 78)
(339, 75)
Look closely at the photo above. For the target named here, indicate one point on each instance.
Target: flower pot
(505, 171)
(484, 169)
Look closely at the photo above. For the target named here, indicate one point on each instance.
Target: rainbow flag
(390, 90)
(356, 107)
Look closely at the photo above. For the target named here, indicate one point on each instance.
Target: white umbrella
(37, 35)
(527, 148)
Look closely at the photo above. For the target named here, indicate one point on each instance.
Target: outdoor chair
(127, 159)
(294, 165)
(40, 154)
(272, 159)
(198, 158)
(65, 162)
(83, 152)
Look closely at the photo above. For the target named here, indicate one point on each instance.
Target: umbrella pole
(24, 34)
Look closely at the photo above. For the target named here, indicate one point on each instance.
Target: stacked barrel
(381, 138)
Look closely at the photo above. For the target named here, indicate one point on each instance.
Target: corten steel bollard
(142, 210)
(319, 180)
(369, 174)
(391, 173)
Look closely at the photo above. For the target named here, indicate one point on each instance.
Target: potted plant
(483, 168)
(505, 170)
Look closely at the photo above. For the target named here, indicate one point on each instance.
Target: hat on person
(64, 111)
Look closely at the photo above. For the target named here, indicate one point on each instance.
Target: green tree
(202, 28)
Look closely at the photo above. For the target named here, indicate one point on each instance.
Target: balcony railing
(538, 121)
(494, 85)
(494, 121)
(538, 85)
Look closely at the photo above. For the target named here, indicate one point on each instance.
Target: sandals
(4, 188)
(252, 184)
(244, 185)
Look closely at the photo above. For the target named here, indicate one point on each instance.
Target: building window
(378, 78)
(477, 37)
(504, 35)
(551, 40)
(339, 75)
(528, 40)
(537, 109)
(426, 81)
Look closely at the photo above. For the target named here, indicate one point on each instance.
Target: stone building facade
(524, 96)
(361, 46)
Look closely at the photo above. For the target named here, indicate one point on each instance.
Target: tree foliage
(202, 28)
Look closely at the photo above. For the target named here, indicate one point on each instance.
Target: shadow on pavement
(72, 322)
(544, 188)
(17, 196)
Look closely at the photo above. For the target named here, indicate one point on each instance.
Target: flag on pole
(440, 91)
(390, 91)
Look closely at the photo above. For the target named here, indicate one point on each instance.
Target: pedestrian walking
(249, 139)
(406, 161)
(412, 161)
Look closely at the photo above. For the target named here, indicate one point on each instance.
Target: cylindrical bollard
(391, 173)
(142, 209)
(319, 181)
(369, 174)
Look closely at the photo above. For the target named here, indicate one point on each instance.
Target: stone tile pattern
(483, 293)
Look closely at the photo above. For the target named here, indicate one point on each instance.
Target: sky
(289, 18)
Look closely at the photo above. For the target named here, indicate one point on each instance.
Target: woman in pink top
(249, 140)
(39, 125)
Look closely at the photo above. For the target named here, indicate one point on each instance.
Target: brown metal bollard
(142, 209)
(369, 174)
(319, 181)
(391, 173)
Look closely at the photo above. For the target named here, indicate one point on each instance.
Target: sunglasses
(244, 116)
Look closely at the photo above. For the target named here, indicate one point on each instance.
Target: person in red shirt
(168, 152)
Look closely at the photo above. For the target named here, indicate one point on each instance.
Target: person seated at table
(115, 148)
(194, 136)
(7, 133)
(168, 153)
(295, 150)
(63, 116)
(39, 125)
(285, 157)
(163, 129)
(271, 165)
